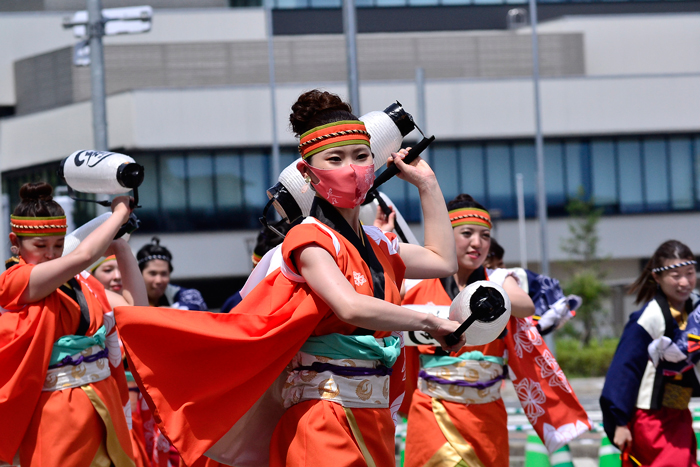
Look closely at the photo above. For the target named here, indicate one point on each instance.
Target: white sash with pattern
(70, 376)
(348, 391)
(472, 371)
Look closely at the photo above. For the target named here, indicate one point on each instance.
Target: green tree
(586, 265)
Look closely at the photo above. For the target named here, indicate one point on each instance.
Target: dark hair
(267, 239)
(464, 201)
(496, 251)
(154, 249)
(37, 201)
(645, 286)
(315, 108)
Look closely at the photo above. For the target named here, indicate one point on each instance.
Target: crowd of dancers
(104, 362)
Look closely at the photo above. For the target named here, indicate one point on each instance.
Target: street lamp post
(350, 28)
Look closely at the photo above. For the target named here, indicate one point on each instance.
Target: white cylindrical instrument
(101, 172)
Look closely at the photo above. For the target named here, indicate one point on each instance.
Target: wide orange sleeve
(13, 283)
(304, 235)
(26, 338)
(200, 372)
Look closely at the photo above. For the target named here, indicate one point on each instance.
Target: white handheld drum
(101, 172)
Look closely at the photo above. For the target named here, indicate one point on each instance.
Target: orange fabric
(235, 356)
(317, 433)
(48, 428)
(484, 426)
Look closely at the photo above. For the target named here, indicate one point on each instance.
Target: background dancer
(456, 414)
(61, 360)
(645, 408)
(155, 262)
(338, 285)
(553, 309)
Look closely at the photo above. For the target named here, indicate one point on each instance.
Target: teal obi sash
(338, 347)
(432, 361)
(66, 346)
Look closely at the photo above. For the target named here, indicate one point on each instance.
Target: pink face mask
(345, 187)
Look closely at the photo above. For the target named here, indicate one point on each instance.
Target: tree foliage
(586, 264)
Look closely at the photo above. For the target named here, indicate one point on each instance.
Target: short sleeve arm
(304, 235)
(13, 283)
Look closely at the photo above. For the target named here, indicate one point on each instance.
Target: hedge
(579, 361)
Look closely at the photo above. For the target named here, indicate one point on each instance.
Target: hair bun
(35, 191)
(315, 108)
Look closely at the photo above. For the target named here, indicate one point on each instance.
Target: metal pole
(539, 144)
(97, 74)
(273, 101)
(420, 100)
(350, 28)
(521, 219)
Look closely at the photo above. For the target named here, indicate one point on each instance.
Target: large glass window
(629, 157)
(681, 159)
(603, 173)
(655, 164)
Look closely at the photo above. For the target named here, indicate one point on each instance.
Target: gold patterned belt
(74, 376)
(468, 370)
(676, 397)
(366, 391)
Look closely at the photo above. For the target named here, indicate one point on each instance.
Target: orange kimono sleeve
(201, 372)
(26, 339)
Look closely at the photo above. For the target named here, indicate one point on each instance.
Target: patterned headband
(103, 261)
(39, 226)
(674, 266)
(152, 257)
(470, 216)
(332, 135)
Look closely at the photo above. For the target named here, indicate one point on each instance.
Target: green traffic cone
(562, 457)
(608, 454)
(536, 454)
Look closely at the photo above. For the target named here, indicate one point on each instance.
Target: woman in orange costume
(456, 414)
(61, 360)
(304, 338)
(453, 424)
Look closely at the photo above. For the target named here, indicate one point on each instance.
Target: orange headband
(331, 135)
(470, 216)
(109, 258)
(38, 226)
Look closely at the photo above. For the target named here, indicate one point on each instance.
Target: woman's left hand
(383, 222)
(416, 173)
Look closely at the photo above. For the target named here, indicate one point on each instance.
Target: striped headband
(674, 266)
(152, 257)
(332, 135)
(470, 216)
(38, 226)
(103, 261)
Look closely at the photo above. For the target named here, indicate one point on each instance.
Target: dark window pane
(256, 179)
(603, 172)
(200, 173)
(525, 163)
(574, 174)
(472, 172)
(148, 191)
(444, 162)
(554, 174)
(681, 173)
(229, 181)
(500, 176)
(396, 190)
(696, 147)
(630, 160)
(172, 182)
(656, 174)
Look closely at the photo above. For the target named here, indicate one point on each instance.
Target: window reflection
(655, 174)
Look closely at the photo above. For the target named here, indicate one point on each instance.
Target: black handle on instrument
(453, 337)
(410, 157)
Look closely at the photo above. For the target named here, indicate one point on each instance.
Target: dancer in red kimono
(456, 415)
(296, 374)
(61, 372)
